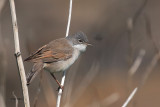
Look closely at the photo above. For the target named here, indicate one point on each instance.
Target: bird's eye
(80, 41)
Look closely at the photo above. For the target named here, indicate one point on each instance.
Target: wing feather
(52, 52)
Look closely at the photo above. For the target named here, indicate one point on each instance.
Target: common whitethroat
(57, 56)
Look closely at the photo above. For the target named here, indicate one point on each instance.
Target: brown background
(118, 29)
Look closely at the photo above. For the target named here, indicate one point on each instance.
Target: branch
(130, 97)
(64, 73)
(156, 57)
(69, 18)
(150, 68)
(134, 68)
(131, 22)
(16, 105)
(18, 55)
(136, 63)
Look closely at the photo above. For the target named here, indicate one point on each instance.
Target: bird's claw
(60, 87)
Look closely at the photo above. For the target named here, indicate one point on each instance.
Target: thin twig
(131, 22)
(16, 105)
(156, 57)
(149, 32)
(136, 63)
(130, 97)
(69, 18)
(150, 68)
(18, 55)
(64, 73)
(60, 90)
(135, 67)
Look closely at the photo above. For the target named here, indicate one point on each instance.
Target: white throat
(80, 47)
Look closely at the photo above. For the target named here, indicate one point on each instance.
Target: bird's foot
(60, 87)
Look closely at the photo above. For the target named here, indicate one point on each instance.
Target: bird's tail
(37, 68)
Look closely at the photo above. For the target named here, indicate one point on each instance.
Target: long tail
(37, 68)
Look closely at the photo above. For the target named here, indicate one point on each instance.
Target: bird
(57, 56)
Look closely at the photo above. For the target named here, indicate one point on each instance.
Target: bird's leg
(60, 86)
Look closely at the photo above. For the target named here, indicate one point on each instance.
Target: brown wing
(52, 52)
(34, 55)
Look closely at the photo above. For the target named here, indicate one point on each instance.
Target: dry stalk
(150, 69)
(130, 97)
(16, 99)
(131, 24)
(64, 73)
(18, 55)
(156, 57)
(136, 63)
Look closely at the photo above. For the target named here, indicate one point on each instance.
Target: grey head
(78, 41)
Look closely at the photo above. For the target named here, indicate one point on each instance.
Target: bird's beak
(88, 44)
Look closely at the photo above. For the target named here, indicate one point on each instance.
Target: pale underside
(61, 65)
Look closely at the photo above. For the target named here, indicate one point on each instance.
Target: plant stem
(18, 55)
(64, 73)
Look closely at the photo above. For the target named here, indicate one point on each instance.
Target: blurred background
(125, 54)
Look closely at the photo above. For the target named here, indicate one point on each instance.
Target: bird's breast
(62, 65)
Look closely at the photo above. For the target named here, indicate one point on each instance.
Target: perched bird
(57, 56)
